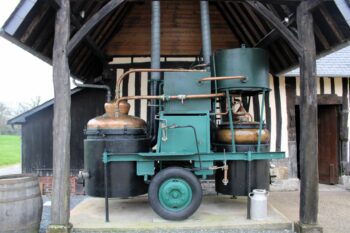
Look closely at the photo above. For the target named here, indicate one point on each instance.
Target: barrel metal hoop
(22, 198)
(7, 189)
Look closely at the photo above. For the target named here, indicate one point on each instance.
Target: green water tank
(249, 62)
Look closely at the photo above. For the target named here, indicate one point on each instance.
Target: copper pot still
(111, 120)
(245, 133)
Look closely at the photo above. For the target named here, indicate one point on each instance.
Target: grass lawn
(10, 149)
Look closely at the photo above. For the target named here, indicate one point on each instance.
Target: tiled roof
(336, 64)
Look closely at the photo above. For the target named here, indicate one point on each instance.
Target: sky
(23, 77)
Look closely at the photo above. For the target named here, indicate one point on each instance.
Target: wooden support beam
(332, 24)
(240, 23)
(232, 24)
(308, 118)
(275, 21)
(312, 4)
(55, 4)
(90, 43)
(278, 2)
(61, 122)
(91, 23)
(273, 34)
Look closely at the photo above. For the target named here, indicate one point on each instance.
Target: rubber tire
(175, 172)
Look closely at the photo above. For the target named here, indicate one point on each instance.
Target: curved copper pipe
(172, 97)
(221, 78)
(122, 77)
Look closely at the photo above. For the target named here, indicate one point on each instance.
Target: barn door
(328, 138)
(328, 144)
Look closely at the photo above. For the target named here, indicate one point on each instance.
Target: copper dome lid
(111, 120)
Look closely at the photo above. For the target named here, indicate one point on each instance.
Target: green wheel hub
(175, 194)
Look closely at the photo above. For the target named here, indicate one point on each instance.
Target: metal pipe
(124, 75)
(155, 64)
(165, 98)
(109, 94)
(221, 78)
(198, 96)
(105, 165)
(155, 39)
(206, 35)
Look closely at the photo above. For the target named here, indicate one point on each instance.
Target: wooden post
(61, 122)
(308, 209)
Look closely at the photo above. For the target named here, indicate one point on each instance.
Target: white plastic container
(258, 204)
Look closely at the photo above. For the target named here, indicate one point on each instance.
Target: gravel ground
(45, 219)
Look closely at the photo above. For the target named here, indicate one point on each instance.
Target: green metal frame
(202, 161)
(145, 161)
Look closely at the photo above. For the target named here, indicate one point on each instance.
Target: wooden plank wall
(37, 133)
(180, 30)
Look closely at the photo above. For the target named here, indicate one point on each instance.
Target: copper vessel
(111, 121)
(245, 133)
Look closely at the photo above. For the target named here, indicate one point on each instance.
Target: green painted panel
(204, 172)
(182, 140)
(249, 62)
(211, 156)
(145, 168)
(186, 83)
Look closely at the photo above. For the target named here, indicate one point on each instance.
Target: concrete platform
(216, 214)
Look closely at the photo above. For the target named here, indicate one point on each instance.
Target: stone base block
(59, 228)
(306, 228)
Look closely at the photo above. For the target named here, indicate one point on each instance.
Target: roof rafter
(273, 34)
(91, 23)
(275, 21)
(92, 45)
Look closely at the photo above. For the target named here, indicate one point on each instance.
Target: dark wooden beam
(278, 107)
(55, 4)
(308, 118)
(275, 21)
(278, 2)
(89, 42)
(25, 47)
(240, 23)
(321, 37)
(332, 24)
(91, 23)
(247, 21)
(113, 29)
(61, 122)
(344, 130)
(273, 34)
(232, 24)
(312, 4)
(255, 18)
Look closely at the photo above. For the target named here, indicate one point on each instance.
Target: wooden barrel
(20, 204)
